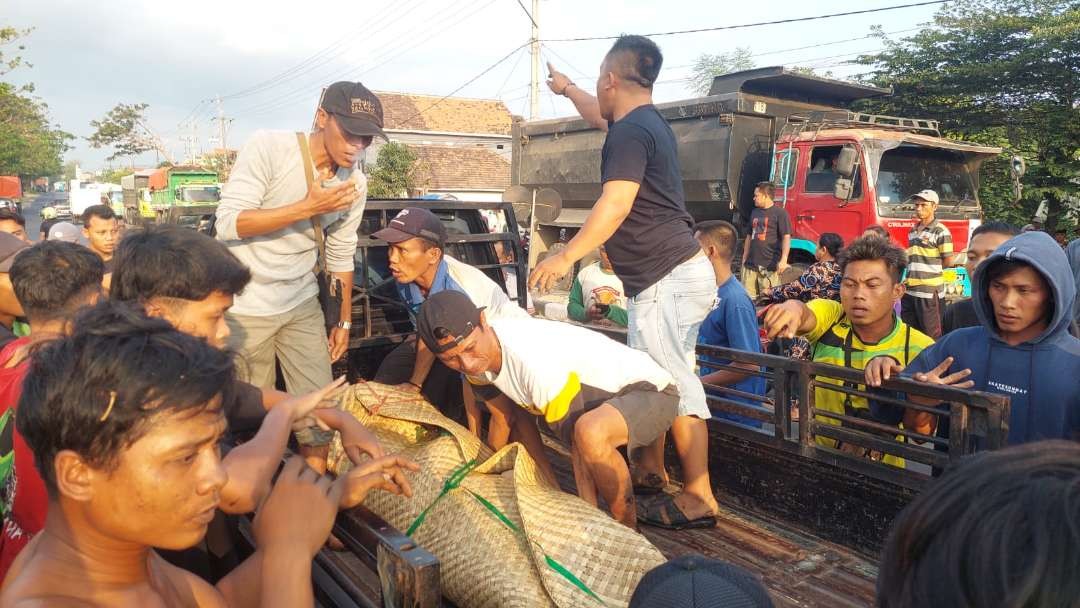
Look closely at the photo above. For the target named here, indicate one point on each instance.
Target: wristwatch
(344, 324)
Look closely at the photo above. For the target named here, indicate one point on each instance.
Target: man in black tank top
(641, 219)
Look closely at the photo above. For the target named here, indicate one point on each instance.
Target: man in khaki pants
(765, 252)
(268, 216)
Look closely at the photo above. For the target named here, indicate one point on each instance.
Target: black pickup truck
(808, 519)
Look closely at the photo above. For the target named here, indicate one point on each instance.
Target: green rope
(551, 562)
(456, 477)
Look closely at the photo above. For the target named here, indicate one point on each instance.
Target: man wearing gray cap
(290, 209)
(930, 250)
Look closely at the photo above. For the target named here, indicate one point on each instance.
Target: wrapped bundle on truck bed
(504, 537)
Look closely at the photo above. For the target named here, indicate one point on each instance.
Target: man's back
(657, 235)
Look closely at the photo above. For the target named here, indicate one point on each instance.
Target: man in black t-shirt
(765, 253)
(642, 221)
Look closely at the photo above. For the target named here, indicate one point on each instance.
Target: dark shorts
(648, 412)
(923, 314)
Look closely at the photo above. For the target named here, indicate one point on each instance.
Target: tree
(395, 174)
(707, 67)
(113, 176)
(124, 129)
(1003, 73)
(221, 162)
(30, 145)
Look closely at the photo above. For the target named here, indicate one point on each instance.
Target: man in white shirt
(419, 264)
(593, 392)
(268, 217)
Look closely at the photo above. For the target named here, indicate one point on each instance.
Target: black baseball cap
(357, 109)
(445, 319)
(694, 581)
(10, 246)
(412, 222)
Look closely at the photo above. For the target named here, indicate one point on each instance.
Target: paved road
(32, 212)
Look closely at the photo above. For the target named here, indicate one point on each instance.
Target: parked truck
(835, 170)
(183, 195)
(136, 195)
(11, 192)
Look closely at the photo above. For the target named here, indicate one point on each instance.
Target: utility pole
(534, 89)
(221, 125)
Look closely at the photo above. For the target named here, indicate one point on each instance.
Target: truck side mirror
(846, 161)
(842, 188)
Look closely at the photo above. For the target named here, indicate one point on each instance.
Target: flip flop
(652, 484)
(664, 513)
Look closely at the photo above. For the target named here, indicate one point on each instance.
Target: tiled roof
(408, 112)
(449, 168)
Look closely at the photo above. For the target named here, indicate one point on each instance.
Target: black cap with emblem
(413, 222)
(357, 110)
(445, 319)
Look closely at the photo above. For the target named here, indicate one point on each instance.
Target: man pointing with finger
(268, 216)
(642, 221)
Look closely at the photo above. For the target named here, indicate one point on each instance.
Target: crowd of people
(139, 407)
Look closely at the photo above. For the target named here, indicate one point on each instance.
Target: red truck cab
(842, 172)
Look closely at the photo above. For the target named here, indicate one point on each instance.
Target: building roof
(459, 168)
(410, 112)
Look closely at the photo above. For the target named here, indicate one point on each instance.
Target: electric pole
(534, 89)
(221, 125)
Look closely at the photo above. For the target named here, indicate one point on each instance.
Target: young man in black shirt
(642, 221)
(765, 252)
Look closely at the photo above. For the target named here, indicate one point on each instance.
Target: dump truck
(182, 195)
(136, 194)
(835, 170)
(11, 192)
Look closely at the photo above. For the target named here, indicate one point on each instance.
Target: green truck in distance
(171, 195)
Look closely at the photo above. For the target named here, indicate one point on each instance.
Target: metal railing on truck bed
(784, 471)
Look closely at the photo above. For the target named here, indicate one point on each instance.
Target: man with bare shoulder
(124, 418)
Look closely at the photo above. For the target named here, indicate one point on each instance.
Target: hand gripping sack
(503, 536)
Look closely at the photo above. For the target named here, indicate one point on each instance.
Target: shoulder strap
(309, 173)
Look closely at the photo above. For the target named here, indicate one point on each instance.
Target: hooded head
(1045, 256)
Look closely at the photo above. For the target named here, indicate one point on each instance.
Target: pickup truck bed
(799, 570)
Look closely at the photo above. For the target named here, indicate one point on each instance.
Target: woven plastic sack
(503, 536)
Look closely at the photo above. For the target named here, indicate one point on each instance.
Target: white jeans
(664, 322)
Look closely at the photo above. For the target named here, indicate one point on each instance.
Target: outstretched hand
(881, 369)
(557, 81)
(386, 473)
(955, 380)
(548, 272)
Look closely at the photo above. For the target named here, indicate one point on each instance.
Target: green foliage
(30, 145)
(220, 162)
(395, 174)
(112, 176)
(1003, 73)
(707, 67)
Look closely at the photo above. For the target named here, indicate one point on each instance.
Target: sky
(268, 59)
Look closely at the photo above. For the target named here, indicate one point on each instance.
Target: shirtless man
(124, 418)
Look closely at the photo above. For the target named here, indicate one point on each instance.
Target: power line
(758, 24)
(433, 25)
(522, 5)
(517, 62)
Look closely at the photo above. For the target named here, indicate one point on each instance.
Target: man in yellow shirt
(853, 331)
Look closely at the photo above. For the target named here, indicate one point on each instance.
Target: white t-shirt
(546, 364)
(599, 287)
(482, 290)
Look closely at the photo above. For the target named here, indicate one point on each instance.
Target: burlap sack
(504, 537)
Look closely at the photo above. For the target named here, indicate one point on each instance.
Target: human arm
(575, 307)
(240, 214)
(789, 319)
(785, 249)
(524, 432)
(615, 203)
(945, 245)
(586, 104)
(356, 439)
(503, 415)
(729, 376)
(740, 326)
(251, 465)
(338, 341)
(618, 316)
(745, 251)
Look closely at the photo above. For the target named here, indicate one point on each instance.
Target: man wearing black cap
(421, 268)
(596, 394)
(284, 189)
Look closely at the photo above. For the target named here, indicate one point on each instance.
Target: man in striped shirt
(930, 249)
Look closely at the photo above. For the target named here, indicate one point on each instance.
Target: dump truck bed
(799, 570)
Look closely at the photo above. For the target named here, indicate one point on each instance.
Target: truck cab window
(821, 176)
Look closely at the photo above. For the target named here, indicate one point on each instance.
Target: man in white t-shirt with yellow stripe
(596, 394)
